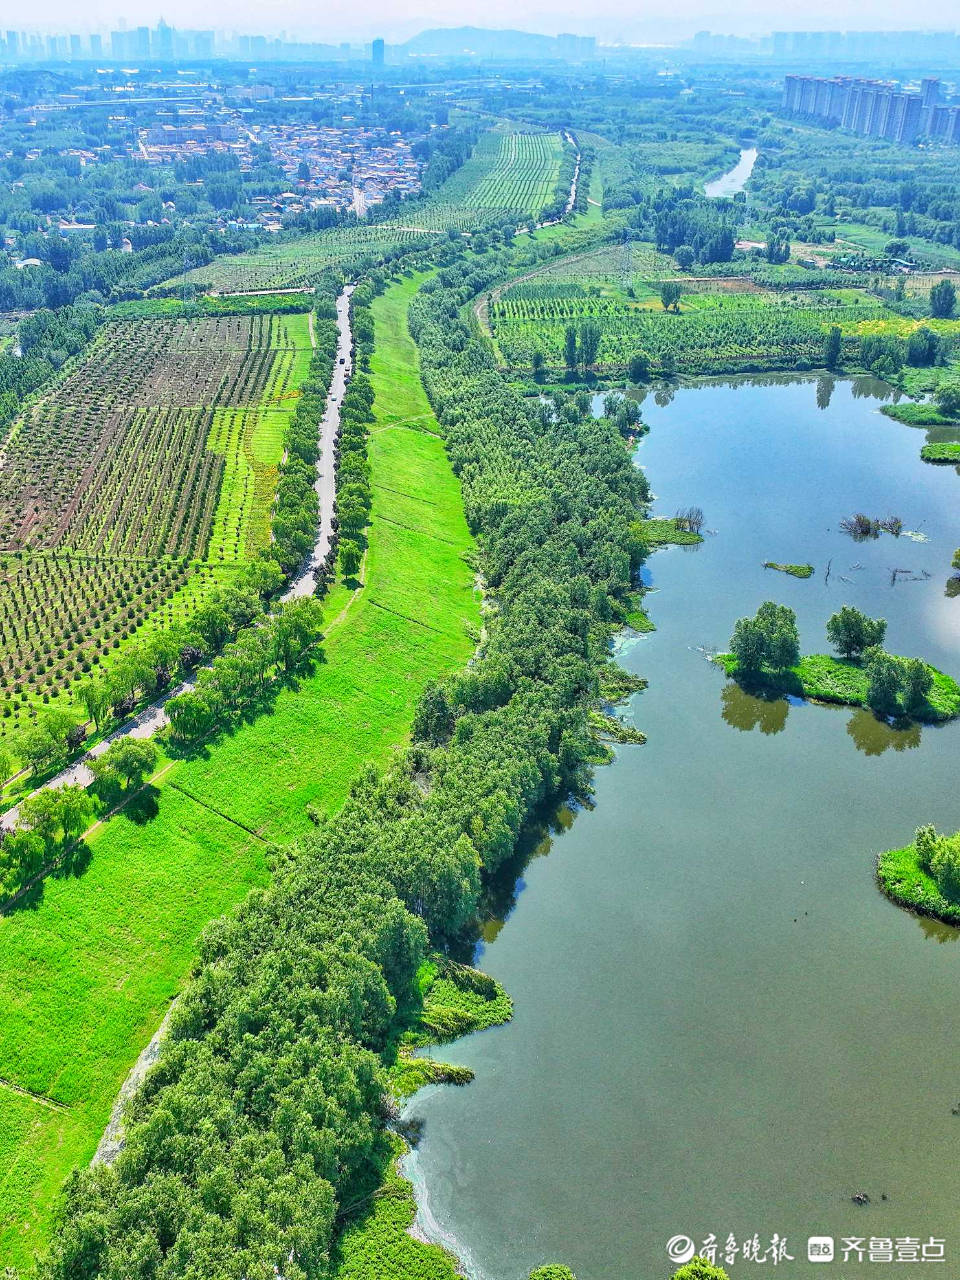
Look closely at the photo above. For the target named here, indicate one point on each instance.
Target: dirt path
(154, 717)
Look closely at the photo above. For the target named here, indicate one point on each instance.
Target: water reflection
(952, 589)
(937, 931)
(825, 386)
(873, 737)
(746, 711)
(502, 889)
(866, 387)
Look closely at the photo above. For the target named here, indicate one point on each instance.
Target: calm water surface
(721, 1026)
(728, 184)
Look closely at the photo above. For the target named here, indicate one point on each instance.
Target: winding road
(153, 717)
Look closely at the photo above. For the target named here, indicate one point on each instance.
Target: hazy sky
(629, 20)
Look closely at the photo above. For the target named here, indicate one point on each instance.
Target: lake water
(720, 1025)
(735, 179)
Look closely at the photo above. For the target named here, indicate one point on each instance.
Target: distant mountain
(477, 42)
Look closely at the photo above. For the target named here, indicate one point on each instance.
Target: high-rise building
(378, 53)
(929, 92)
(96, 46)
(874, 108)
(162, 41)
(13, 44)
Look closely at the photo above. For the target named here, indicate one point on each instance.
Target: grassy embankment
(823, 678)
(89, 972)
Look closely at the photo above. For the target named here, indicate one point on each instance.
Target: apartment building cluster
(874, 108)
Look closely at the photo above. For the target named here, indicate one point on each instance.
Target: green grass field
(87, 975)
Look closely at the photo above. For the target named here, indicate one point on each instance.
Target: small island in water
(765, 656)
(924, 876)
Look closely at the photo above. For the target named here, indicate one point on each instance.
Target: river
(728, 184)
(720, 1024)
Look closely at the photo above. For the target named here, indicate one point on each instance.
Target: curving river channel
(721, 1026)
(728, 184)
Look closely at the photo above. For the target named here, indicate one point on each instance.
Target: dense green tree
(916, 682)
(884, 675)
(570, 346)
(948, 397)
(768, 639)
(638, 369)
(851, 632)
(748, 644)
(943, 299)
(127, 758)
(945, 865)
(684, 257)
(350, 558)
(923, 347)
(57, 814)
(670, 294)
(832, 347)
(699, 1268)
(589, 343)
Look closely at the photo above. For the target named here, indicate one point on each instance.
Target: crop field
(195, 411)
(509, 176)
(86, 977)
(627, 262)
(510, 172)
(711, 333)
(299, 263)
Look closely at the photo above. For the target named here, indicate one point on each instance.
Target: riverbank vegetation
(924, 875)
(948, 452)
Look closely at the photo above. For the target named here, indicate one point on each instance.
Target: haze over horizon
(609, 20)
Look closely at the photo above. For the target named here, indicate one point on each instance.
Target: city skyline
(610, 22)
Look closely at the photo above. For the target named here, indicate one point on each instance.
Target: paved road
(153, 717)
(325, 484)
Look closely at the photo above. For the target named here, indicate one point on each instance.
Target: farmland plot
(711, 334)
(127, 492)
(301, 262)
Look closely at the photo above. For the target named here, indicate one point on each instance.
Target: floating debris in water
(915, 535)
